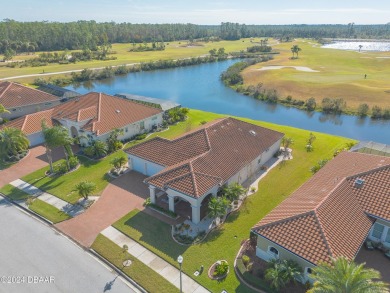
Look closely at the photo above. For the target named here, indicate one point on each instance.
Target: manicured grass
(224, 243)
(174, 50)
(63, 186)
(341, 75)
(48, 211)
(138, 271)
(14, 193)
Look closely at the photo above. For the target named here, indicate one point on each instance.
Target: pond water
(199, 87)
(354, 46)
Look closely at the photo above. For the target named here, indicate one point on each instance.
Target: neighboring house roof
(101, 112)
(164, 105)
(58, 91)
(14, 95)
(327, 216)
(197, 161)
(31, 123)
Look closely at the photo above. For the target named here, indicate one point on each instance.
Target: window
(47, 104)
(377, 231)
(309, 271)
(142, 125)
(274, 251)
(259, 161)
(387, 239)
(154, 118)
(126, 129)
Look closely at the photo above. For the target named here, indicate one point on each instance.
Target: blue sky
(201, 11)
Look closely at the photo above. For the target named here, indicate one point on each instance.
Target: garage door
(138, 165)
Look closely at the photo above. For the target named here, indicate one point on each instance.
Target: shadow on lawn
(154, 233)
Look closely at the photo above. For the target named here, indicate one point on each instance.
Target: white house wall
(250, 169)
(263, 251)
(36, 138)
(134, 129)
(16, 112)
(138, 164)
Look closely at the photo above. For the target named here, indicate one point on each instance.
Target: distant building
(164, 105)
(62, 93)
(93, 115)
(21, 100)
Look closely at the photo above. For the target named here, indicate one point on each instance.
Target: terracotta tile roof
(31, 123)
(340, 208)
(197, 161)
(16, 95)
(104, 113)
(374, 193)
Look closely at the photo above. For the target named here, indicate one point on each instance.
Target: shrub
(73, 162)
(89, 151)
(140, 136)
(61, 168)
(245, 260)
(221, 269)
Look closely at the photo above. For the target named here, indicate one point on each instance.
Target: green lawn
(48, 211)
(174, 50)
(138, 271)
(14, 193)
(341, 75)
(222, 243)
(62, 186)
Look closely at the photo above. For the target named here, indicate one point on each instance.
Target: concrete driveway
(33, 253)
(35, 160)
(122, 195)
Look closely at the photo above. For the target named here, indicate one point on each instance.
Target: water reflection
(199, 87)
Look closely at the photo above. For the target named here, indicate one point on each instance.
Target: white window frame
(373, 230)
(273, 253)
(387, 238)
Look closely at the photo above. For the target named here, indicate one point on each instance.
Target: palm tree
(233, 191)
(217, 207)
(282, 272)
(100, 148)
(2, 110)
(85, 188)
(118, 162)
(295, 50)
(54, 137)
(113, 141)
(345, 276)
(12, 142)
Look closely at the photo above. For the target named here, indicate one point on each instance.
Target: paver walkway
(163, 268)
(70, 209)
(121, 196)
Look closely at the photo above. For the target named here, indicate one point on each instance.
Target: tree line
(28, 37)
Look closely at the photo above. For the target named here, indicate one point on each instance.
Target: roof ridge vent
(252, 132)
(359, 182)
(118, 111)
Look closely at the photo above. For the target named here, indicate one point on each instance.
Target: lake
(199, 87)
(354, 46)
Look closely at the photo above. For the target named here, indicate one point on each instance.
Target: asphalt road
(35, 258)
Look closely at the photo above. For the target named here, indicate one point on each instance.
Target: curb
(88, 250)
(118, 271)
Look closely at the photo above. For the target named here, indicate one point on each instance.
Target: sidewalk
(166, 270)
(70, 209)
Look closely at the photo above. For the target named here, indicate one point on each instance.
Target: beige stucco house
(192, 167)
(332, 214)
(21, 100)
(92, 116)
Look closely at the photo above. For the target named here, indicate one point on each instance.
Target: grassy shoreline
(339, 74)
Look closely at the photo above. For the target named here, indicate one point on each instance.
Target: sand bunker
(300, 68)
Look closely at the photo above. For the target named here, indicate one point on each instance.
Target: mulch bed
(259, 266)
